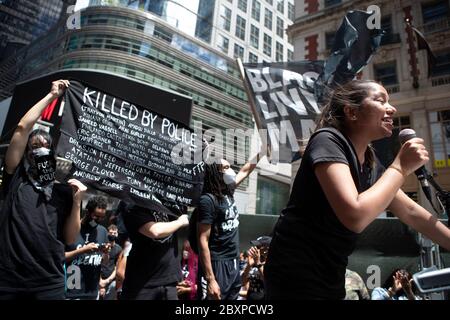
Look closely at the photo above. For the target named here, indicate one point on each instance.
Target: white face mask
(229, 176)
(185, 254)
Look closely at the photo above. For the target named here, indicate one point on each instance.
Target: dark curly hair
(96, 202)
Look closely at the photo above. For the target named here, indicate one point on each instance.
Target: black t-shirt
(83, 272)
(151, 262)
(108, 267)
(310, 248)
(31, 235)
(223, 217)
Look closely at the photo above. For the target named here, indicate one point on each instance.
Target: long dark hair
(213, 182)
(352, 95)
(44, 134)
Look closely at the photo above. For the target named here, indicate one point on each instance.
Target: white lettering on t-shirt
(231, 216)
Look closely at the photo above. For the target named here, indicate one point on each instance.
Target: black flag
(285, 106)
(422, 44)
(354, 44)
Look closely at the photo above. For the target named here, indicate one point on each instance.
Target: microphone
(421, 173)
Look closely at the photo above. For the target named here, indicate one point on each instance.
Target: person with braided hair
(218, 234)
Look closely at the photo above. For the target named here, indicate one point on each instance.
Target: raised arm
(246, 169)
(73, 224)
(20, 136)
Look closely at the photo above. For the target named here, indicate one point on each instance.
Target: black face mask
(112, 238)
(43, 166)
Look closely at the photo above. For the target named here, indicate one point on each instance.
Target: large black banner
(128, 151)
(285, 104)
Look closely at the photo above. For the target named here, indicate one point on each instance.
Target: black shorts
(227, 276)
(168, 292)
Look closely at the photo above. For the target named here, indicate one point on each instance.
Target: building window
(291, 11)
(389, 37)
(387, 149)
(280, 6)
(434, 11)
(329, 3)
(268, 19)
(442, 65)
(252, 58)
(238, 51)
(280, 27)
(386, 73)
(254, 37)
(290, 55)
(267, 45)
(256, 10)
(240, 27)
(279, 52)
(225, 18)
(270, 2)
(223, 44)
(440, 137)
(271, 196)
(242, 4)
(329, 40)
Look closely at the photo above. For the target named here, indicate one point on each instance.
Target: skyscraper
(22, 21)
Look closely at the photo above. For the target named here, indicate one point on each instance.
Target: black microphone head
(406, 134)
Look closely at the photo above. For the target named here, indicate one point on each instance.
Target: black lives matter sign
(285, 104)
(127, 150)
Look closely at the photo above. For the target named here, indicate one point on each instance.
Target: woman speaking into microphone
(339, 190)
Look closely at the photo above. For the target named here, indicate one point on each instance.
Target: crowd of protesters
(50, 250)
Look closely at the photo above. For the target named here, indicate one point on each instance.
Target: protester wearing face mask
(38, 215)
(108, 272)
(84, 257)
(218, 221)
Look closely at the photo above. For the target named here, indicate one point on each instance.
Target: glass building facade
(194, 17)
(22, 21)
(141, 46)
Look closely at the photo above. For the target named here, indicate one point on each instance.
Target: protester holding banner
(153, 269)
(39, 215)
(336, 195)
(218, 234)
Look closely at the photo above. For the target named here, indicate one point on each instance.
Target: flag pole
(412, 53)
(252, 104)
(251, 100)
